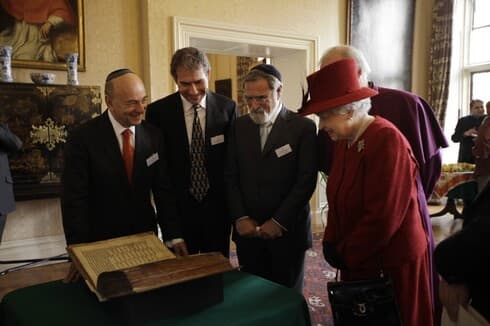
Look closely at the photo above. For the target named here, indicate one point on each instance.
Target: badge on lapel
(219, 139)
(151, 159)
(283, 150)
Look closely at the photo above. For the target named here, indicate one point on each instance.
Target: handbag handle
(381, 274)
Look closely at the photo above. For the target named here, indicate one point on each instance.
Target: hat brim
(320, 106)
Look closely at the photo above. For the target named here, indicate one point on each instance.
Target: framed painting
(383, 31)
(42, 32)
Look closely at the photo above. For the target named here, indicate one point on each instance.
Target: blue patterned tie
(199, 177)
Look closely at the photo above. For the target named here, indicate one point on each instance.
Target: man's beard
(259, 116)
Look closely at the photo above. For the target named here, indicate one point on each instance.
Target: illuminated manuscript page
(119, 253)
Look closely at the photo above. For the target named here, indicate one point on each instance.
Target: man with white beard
(270, 176)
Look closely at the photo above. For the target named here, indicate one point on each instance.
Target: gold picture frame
(66, 37)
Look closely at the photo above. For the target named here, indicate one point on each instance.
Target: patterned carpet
(317, 274)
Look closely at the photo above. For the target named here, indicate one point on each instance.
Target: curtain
(440, 57)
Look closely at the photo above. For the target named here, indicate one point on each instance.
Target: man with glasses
(271, 175)
(194, 123)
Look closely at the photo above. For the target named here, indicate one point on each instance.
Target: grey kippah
(117, 73)
(268, 69)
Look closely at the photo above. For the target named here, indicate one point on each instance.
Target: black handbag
(366, 302)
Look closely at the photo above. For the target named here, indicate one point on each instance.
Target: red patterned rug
(317, 273)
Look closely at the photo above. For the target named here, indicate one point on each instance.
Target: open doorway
(295, 56)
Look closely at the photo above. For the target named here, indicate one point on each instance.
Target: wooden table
(31, 276)
(454, 185)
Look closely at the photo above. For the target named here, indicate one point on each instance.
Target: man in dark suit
(9, 143)
(462, 261)
(271, 174)
(194, 123)
(112, 164)
(466, 131)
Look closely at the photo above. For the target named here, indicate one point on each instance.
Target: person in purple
(413, 116)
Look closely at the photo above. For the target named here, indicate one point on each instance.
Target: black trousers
(206, 227)
(272, 260)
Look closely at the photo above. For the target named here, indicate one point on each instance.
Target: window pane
(481, 12)
(480, 86)
(480, 45)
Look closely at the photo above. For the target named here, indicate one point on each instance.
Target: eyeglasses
(259, 99)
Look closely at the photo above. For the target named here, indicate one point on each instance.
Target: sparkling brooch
(360, 145)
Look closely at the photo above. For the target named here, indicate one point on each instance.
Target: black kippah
(117, 73)
(268, 69)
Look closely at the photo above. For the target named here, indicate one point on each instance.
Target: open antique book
(139, 263)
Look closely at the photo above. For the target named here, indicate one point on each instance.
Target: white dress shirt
(266, 128)
(118, 129)
(189, 117)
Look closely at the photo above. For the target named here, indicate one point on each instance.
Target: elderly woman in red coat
(374, 221)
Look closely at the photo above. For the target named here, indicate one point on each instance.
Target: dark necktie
(199, 177)
(128, 153)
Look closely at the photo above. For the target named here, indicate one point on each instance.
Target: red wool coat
(374, 217)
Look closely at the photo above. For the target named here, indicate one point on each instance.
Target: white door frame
(187, 28)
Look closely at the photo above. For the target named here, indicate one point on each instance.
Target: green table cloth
(248, 300)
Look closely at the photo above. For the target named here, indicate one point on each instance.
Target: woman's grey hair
(189, 58)
(256, 74)
(358, 107)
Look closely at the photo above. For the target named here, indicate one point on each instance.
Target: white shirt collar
(275, 112)
(188, 105)
(118, 128)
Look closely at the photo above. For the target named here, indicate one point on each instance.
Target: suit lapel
(253, 134)
(279, 128)
(112, 151)
(140, 149)
(178, 119)
(211, 118)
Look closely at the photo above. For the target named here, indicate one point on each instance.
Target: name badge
(151, 159)
(283, 150)
(217, 140)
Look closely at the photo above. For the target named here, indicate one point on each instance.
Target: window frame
(460, 86)
(466, 68)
